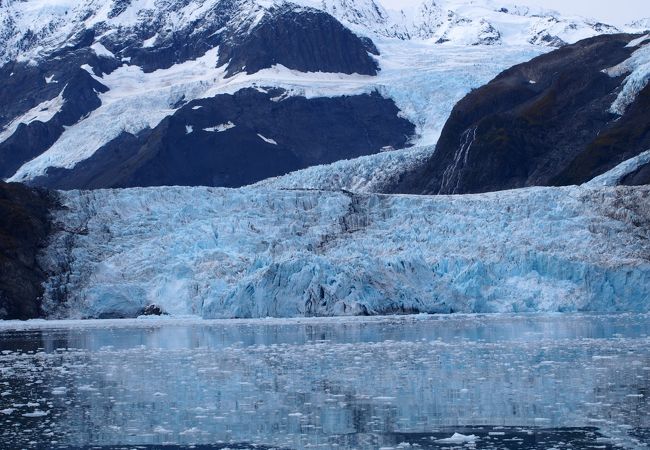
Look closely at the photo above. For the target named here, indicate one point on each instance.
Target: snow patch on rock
(221, 127)
(43, 112)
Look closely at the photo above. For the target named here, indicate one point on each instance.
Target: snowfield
(244, 253)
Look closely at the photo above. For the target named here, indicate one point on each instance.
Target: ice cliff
(254, 252)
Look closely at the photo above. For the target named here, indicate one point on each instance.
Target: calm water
(552, 381)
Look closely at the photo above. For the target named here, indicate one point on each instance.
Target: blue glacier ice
(254, 252)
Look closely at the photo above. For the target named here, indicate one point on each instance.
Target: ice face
(260, 252)
(294, 383)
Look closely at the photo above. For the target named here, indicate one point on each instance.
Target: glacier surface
(424, 80)
(637, 69)
(220, 253)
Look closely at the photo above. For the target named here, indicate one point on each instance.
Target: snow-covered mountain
(38, 27)
(561, 119)
(119, 93)
(464, 22)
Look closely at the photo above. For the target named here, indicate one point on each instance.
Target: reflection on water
(510, 381)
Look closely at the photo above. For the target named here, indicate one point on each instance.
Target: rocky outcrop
(303, 39)
(239, 139)
(545, 122)
(639, 177)
(24, 230)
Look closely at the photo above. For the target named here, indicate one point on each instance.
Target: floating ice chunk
(36, 413)
(59, 390)
(267, 140)
(50, 79)
(189, 129)
(458, 438)
(7, 411)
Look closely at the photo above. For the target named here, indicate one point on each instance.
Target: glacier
(367, 174)
(637, 69)
(425, 82)
(252, 252)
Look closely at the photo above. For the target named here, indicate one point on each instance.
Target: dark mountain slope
(235, 140)
(303, 39)
(545, 122)
(24, 229)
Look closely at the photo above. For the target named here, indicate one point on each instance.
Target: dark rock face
(639, 177)
(153, 310)
(545, 122)
(24, 229)
(172, 46)
(303, 39)
(235, 140)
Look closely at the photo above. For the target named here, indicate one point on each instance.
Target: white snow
(222, 253)
(267, 140)
(100, 50)
(135, 101)
(43, 112)
(459, 22)
(221, 127)
(150, 42)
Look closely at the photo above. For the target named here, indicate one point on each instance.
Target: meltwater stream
(502, 381)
